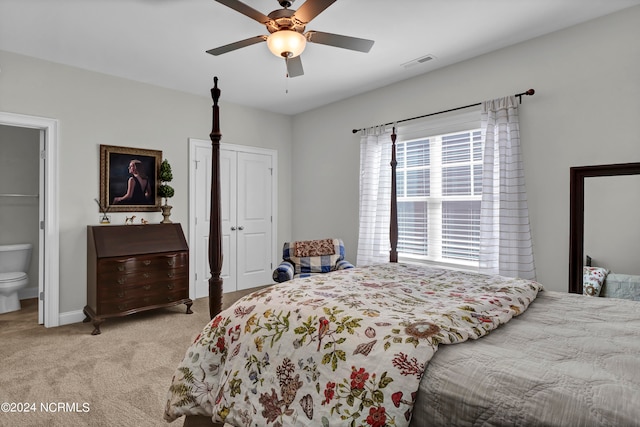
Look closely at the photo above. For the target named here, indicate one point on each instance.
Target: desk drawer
(127, 303)
(127, 265)
(141, 278)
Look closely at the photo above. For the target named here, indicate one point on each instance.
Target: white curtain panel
(375, 197)
(505, 236)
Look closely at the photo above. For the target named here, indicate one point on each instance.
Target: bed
(405, 345)
(569, 360)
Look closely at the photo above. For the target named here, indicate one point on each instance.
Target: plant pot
(166, 212)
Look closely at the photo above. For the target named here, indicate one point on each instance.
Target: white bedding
(569, 360)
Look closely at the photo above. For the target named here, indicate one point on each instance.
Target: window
(439, 188)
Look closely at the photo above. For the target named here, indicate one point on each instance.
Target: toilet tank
(15, 258)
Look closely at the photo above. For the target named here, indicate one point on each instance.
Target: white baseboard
(66, 318)
(70, 317)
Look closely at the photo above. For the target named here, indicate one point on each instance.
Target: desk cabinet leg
(96, 326)
(91, 316)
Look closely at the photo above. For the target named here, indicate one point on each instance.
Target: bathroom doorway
(38, 204)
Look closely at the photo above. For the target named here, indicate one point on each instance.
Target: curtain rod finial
(528, 92)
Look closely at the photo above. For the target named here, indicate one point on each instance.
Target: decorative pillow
(314, 256)
(314, 248)
(592, 280)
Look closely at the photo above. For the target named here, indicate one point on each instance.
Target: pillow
(592, 280)
(314, 248)
(314, 256)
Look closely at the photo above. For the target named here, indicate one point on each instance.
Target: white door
(247, 184)
(42, 212)
(228, 193)
(253, 228)
(201, 202)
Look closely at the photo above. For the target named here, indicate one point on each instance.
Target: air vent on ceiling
(418, 61)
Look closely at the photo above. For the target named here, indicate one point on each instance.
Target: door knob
(233, 229)
(241, 228)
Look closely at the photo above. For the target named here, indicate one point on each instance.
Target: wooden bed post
(215, 227)
(393, 225)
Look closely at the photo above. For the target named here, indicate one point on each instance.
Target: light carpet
(65, 376)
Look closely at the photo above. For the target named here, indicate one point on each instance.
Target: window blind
(439, 179)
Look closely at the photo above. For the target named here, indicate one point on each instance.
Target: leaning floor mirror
(604, 226)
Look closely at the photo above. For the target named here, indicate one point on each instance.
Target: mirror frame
(576, 213)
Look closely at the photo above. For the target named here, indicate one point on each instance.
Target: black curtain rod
(519, 95)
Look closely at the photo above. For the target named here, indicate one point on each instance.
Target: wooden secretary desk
(133, 268)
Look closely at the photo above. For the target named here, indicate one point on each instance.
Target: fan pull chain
(286, 76)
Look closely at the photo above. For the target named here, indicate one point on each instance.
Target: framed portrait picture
(128, 179)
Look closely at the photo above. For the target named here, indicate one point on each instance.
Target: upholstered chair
(310, 257)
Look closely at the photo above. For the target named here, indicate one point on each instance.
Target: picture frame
(115, 173)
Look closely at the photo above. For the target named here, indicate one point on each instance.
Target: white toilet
(14, 263)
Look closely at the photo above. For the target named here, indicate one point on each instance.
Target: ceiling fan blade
(238, 6)
(345, 42)
(312, 8)
(237, 45)
(294, 66)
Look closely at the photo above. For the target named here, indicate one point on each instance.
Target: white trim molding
(50, 236)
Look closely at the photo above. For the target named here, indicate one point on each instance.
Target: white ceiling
(163, 42)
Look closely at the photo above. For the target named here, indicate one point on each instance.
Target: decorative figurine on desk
(143, 221)
(165, 190)
(105, 218)
(129, 220)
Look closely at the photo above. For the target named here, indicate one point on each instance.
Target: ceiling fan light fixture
(286, 43)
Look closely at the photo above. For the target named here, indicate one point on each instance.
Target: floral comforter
(343, 348)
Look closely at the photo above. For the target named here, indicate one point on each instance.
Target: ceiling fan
(286, 27)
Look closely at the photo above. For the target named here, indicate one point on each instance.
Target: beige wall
(585, 112)
(95, 109)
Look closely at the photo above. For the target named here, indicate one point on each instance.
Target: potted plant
(165, 190)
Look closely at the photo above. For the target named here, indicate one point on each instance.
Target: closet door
(201, 209)
(246, 195)
(247, 213)
(253, 215)
(229, 195)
